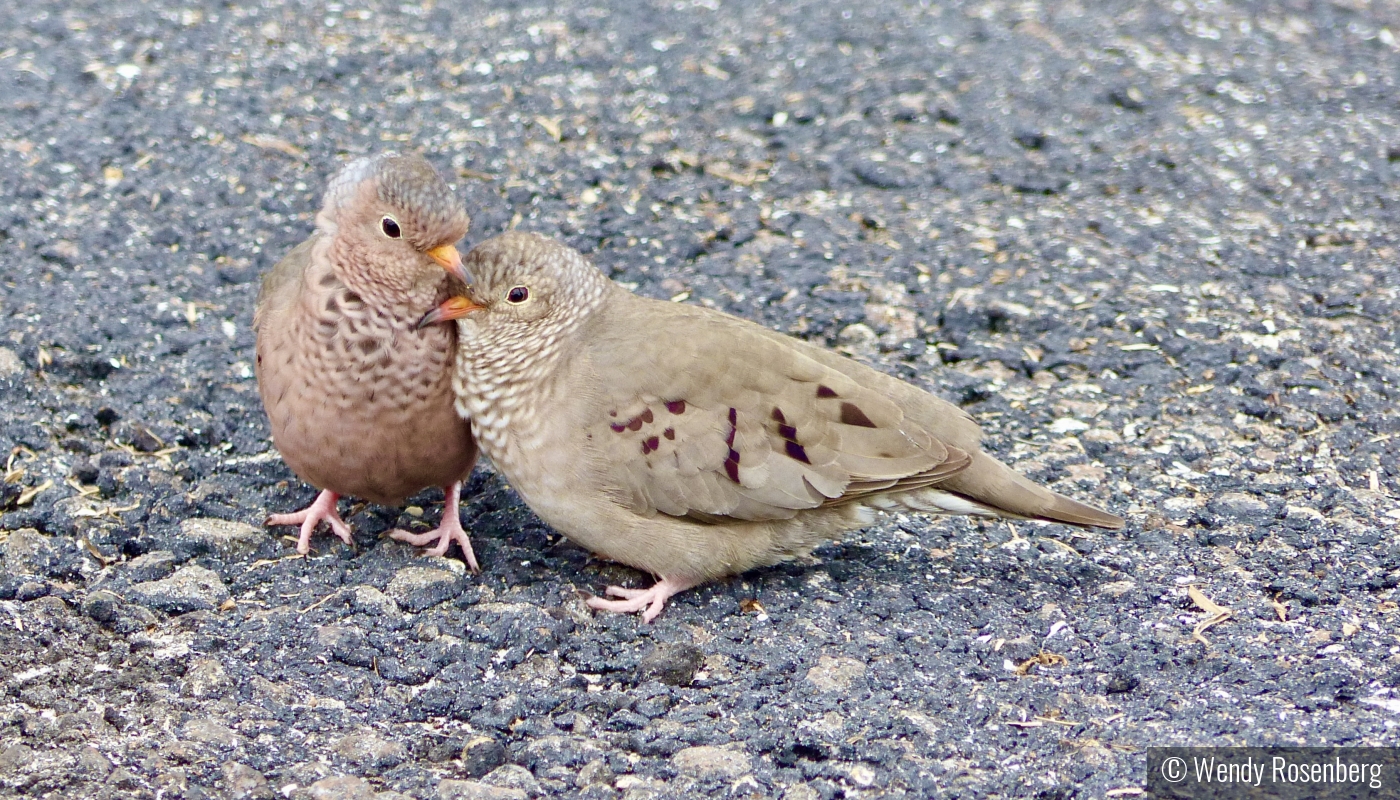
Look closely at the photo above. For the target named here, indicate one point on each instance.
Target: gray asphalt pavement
(1152, 248)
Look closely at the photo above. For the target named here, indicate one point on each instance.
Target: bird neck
(509, 376)
(401, 291)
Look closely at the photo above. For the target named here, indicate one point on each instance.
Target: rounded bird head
(391, 222)
(524, 285)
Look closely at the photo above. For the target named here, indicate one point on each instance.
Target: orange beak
(451, 308)
(451, 261)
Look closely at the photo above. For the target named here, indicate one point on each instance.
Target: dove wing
(281, 285)
(712, 418)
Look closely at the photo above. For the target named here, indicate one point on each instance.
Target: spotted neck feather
(508, 373)
(403, 291)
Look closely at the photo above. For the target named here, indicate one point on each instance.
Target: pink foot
(446, 533)
(653, 599)
(309, 517)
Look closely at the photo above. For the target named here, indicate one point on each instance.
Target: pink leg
(311, 516)
(449, 531)
(652, 600)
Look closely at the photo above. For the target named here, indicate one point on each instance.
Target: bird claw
(308, 518)
(649, 601)
(444, 535)
(449, 531)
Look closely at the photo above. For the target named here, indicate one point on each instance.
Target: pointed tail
(991, 488)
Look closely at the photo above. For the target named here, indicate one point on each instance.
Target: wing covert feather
(715, 419)
(281, 285)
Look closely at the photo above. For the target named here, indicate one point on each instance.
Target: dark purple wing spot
(669, 433)
(617, 427)
(733, 427)
(778, 416)
(653, 442)
(731, 465)
(825, 391)
(788, 432)
(634, 424)
(852, 415)
(675, 406)
(646, 416)
(612, 413)
(795, 451)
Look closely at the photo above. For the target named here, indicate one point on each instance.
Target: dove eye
(518, 295)
(390, 227)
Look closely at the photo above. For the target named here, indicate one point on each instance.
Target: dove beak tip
(450, 260)
(450, 309)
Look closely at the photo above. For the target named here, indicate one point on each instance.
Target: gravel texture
(1152, 247)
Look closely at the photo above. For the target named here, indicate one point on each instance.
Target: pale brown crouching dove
(692, 444)
(359, 398)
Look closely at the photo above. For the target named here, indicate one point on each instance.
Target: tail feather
(1003, 492)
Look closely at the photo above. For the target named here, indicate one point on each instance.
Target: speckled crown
(430, 213)
(516, 256)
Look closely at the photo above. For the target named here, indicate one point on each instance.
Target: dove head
(526, 297)
(389, 223)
